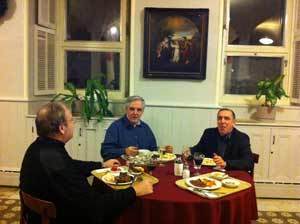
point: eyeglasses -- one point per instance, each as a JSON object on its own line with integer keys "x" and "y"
{"x": 135, "y": 109}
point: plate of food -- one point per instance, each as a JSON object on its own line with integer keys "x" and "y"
{"x": 205, "y": 183}
{"x": 166, "y": 157}
{"x": 122, "y": 178}
{"x": 117, "y": 169}
{"x": 218, "y": 175}
{"x": 231, "y": 183}
{"x": 136, "y": 170}
{"x": 208, "y": 162}
{"x": 144, "y": 151}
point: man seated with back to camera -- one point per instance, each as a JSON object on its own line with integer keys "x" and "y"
{"x": 229, "y": 148}
{"x": 128, "y": 134}
{"x": 49, "y": 173}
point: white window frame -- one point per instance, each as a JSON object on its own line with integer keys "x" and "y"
{"x": 256, "y": 51}
{"x": 92, "y": 46}
{"x": 296, "y": 39}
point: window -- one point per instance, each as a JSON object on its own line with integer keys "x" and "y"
{"x": 257, "y": 46}
{"x": 243, "y": 73}
{"x": 93, "y": 44}
{"x": 295, "y": 94}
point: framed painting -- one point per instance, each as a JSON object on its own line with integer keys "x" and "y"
{"x": 175, "y": 43}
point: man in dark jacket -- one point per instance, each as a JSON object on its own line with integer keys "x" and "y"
{"x": 49, "y": 173}
{"x": 229, "y": 148}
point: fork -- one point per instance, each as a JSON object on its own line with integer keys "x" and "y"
{"x": 206, "y": 192}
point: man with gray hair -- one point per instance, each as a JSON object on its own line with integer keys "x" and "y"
{"x": 128, "y": 134}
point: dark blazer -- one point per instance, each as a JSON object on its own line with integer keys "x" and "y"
{"x": 238, "y": 155}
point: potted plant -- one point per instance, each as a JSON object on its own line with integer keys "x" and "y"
{"x": 272, "y": 90}
{"x": 94, "y": 103}
{"x": 71, "y": 99}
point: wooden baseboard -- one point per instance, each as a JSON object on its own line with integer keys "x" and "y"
{"x": 9, "y": 179}
{"x": 270, "y": 190}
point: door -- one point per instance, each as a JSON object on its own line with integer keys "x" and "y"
{"x": 76, "y": 147}
{"x": 284, "y": 155}
{"x": 260, "y": 144}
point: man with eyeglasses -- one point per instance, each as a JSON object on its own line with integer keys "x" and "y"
{"x": 49, "y": 173}
{"x": 128, "y": 134}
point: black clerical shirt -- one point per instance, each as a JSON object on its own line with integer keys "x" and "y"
{"x": 49, "y": 173}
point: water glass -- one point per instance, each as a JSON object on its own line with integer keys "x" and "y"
{"x": 198, "y": 159}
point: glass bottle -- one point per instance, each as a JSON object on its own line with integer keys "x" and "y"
{"x": 186, "y": 171}
{"x": 178, "y": 167}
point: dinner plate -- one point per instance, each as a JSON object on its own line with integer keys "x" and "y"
{"x": 167, "y": 157}
{"x": 231, "y": 183}
{"x": 144, "y": 151}
{"x": 136, "y": 173}
{"x": 218, "y": 175}
{"x": 217, "y": 184}
{"x": 119, "y": 169}
{"x": 208, "y": 162}
{"x": 109, "y": 179}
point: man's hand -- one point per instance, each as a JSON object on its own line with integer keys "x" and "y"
{"x": 131, "y": 151}
{"x": 219, "y": 161}
{"x": 143, "y": 188}
{"x": 111, "y": 162}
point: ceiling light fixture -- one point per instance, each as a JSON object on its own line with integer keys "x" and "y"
{"x": 266, "y": 41}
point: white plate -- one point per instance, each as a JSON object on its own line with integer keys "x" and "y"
{"x": 232, "y": 183}
{"x": 167, "y": 157}
{"x": 144, "y": 151}
{"x": 208, "y": 162}
{"x": 108, "y": 178}
{"x": 217, "y": 184}
{"x": 104, "y": 170}
{"x": 218, "y": 175}
{"x": 120, "y": 169}
{"x": 136, "y": 173}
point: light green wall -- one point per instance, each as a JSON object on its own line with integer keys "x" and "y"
{"x": 12, "y": 77}
{"x": 175, "y": 92}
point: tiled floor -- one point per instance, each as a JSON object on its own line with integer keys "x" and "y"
{"x": 263, "y": 204}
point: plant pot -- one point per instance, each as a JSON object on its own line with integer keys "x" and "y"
{"x": 265, "y": 113}
{"x": 77, "y": 107}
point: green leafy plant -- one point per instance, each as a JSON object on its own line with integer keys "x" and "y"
{"x": 272, "y": 90}
{"x": 67, "y": 98}
{"x": 95, "y": 100}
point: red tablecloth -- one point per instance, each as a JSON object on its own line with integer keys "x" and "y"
{"x": 170, "y": 204}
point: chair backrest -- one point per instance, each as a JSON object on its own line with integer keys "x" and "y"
{"x": 45, "y": 209}
{"x": 255, "y": 158}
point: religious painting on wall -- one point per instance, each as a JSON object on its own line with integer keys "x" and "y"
{"x": 175, "y": 43}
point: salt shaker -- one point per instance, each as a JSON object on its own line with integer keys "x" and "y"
{"x": 178, "y": 167}
{"x": 186, "y": 171}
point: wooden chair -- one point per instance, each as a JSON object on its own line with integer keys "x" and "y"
{"x": 255, "y": 158}
{"x": 45, "y": 209}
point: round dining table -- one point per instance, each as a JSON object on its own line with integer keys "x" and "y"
{"x": 171, "y": 204}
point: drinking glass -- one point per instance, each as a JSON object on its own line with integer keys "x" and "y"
{"x": 198, "y": 159}
{"x": 151, "y": 166}
{"x": 186, "y": 154}
{"x": 162, "y": 151}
